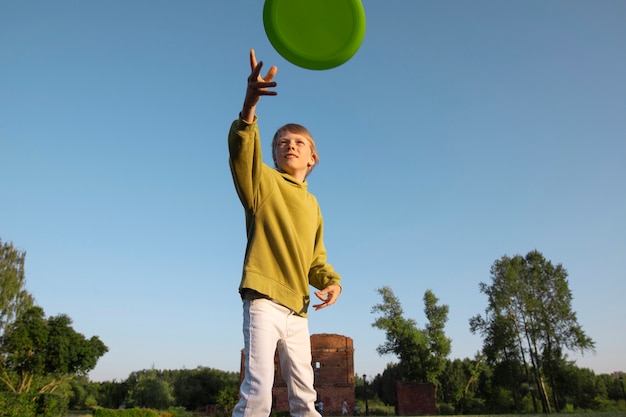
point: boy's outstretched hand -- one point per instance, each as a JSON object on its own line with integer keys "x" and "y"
{"x": 257, "y": 87}
{"x": 328, "y": 295}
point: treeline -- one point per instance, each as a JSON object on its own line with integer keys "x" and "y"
{"x": 468, "y": 386}
{"x": 194, "y": 389}
{"x": 471, "y": 386}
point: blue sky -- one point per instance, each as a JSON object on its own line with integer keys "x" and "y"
{"x": 459, "y": 132}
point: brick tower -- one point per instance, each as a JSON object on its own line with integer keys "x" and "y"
{"x": 333, "y": 367}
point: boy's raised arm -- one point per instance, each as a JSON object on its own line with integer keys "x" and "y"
{"x": 257, "y": 87}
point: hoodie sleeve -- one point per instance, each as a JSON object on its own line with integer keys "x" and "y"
{"x": 244, "y": 146}
{"x": 322, "y": 274}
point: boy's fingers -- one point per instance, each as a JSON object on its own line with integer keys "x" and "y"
{"x": 255, "y": 68}
{"x": 261, "y": 88}
{"x": 271, "y": 73}
{"x": 252, "y": 60}
{"x": 254, "y": 75}
{"x": 263, "y": 84}
{"x": 327, "y": 297}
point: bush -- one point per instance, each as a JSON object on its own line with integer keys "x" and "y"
{"x": 130, "y": 412}
{"x": 31, "y": 405}
{"x": 16, "y": 405}
{"x": 445, "y": 409}
{"x": 51, "y": 405}
{"x": 179, "y": 412}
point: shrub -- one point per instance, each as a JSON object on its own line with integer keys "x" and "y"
{"x": 179, "y": 412}
{"x": 51, "y": 405}
{"x": 31, "y": 405}
{"x": 445, "y": 409}
{"x": 16, "y": 404}
{"x": 129, "y": 412}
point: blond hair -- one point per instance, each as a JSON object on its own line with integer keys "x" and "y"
{"x": 298, "y": 130}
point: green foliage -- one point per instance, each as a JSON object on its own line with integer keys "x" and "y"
{"x": 32, "y": 405}
{"x": 179, "y": 412}
{"x": 379, "y": 409}
{"x": 402, "y": 336}
{"x": 51, "y": 405}
{"x": 434, "y": 358}
{"x": 12, "y": 404}
{"x": 196, "y": 388}
{"x": 70, "y": 352}
{"x": 39, "y": 354}
{"x": 130, "y": 412}
{"x": 529, "y": 320}
{"x": 227, "y": 399}
{"x": 422, "y": 352}
{"x": 191, "y": 389}
{"x": 23, "y": 347}
{"x": 140, "y": 412}
{"x": 82, "y": 394}
{"x": 152, "y": 390}
{"x": 14, "y": 299}
{"x": 384, "y": 386}
{"x": 110, "y": 394}
{"x": 445, "y": 409}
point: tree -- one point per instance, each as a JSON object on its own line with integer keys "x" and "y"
{"x": 14, "y": 299}
{"x": 196, "y": 388}
{"x": 82, "y": 393}
{"x": 529, "y": 319}
{"x": 422, "y": 352}
{"x": 439, "y": 345}
{"x": 24, "y": 355}
{"x": 152, "y": 391}
{"x": 227, "y": 399}
{"x": 459, "y": 381}
{"x": 111, "y": 394}
{"x": 39, "y": 355}
{"x": 385, "y": 384}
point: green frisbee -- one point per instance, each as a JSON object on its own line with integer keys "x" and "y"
{"x": 315, "y": 34}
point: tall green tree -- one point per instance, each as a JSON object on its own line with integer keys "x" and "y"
{"x": 529, "y": 319}
{"x": 439, "y": 345}
{"x": 459, "y": 383}
{"x": 39, "y": 354}
{"x": 422, "y": 352}
{"x": 14, "y": 299}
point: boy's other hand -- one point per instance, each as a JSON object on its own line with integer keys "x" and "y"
{"x": 328, "y": 295}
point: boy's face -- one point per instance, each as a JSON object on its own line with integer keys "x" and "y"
{"x": 293, "y": 155}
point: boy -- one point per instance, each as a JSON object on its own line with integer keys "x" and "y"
{"x": 284, "y": 255}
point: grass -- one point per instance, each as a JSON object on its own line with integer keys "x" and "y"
{"x": 577, "y": 414}
{"x": 381, "y": 411}
{"x": 73, "y": 413}
{"x": 563, "y": 414}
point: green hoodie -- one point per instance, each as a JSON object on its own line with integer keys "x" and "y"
{"x": 285, "y": 251}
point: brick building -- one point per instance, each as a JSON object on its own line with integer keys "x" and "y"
{"x": 414, "y": 398}
{"x": 333, "y": 367}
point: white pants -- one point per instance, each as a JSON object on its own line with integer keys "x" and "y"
{"x": 266, "y": 327}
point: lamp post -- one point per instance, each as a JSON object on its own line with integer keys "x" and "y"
{"x": 367, "y": 407}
